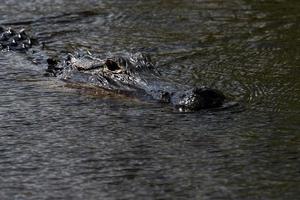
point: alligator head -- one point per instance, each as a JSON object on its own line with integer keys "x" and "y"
{"x": 134, "y": 74}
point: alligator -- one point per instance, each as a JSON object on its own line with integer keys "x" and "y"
{"x": 123, "y": 73}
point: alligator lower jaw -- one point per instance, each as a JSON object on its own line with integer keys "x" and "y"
{"x": 198, "y": 98}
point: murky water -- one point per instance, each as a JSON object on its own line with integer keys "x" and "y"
{"x": 59, "y": 142}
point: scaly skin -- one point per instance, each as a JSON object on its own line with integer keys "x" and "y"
{"x": 14, "y": 40}
{"x": 123, "y": 73}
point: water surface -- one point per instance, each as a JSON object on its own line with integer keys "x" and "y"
{"x": 59, "y": 142}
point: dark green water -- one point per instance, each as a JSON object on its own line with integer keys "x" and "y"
{"x": 58, "y": 142}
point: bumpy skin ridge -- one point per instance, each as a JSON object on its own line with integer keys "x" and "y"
{"x": 14, "y": 40}
{"x": 122, "y": 73}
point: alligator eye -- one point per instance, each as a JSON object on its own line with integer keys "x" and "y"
{"x": 112, "y": 65}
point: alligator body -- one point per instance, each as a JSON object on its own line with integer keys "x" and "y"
{"x": 132, "y": 74}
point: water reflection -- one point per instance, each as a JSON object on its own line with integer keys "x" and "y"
{"x": 60, "y": 142}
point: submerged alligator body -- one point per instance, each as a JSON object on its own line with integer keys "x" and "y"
{"x": 132, "y": 74}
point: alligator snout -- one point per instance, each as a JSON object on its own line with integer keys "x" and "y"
{"x": 198, "y": 98}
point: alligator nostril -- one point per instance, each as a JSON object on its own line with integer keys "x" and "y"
{"x": 112, "y": 65}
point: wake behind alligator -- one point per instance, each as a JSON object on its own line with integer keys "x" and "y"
{"x": 132, "y": 74}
